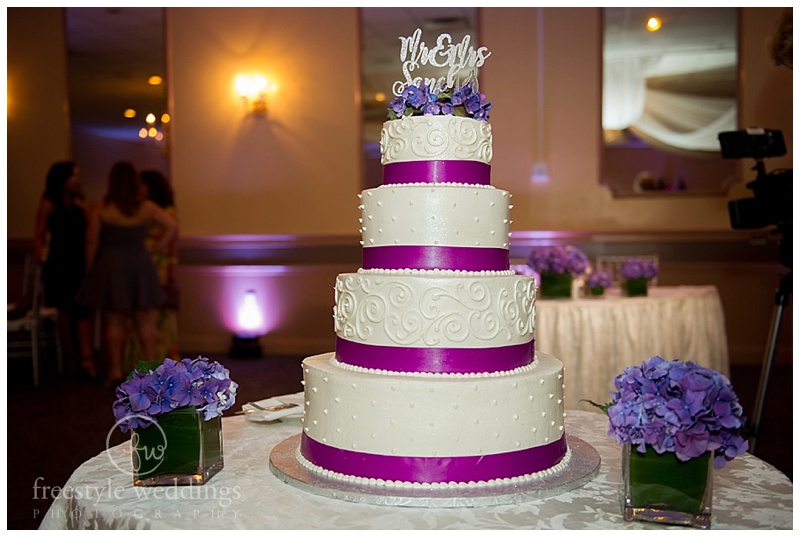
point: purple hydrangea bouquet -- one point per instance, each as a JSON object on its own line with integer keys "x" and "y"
{"x": 673, "y": 419}
{"x": 152, "y": 392}
{"x": 678, "y": 407}
{"x": 637, "y": 273}
{"x": 557, "y": 266}
{"x": 173, "y": 410}
{"x": 462, "y": 101}
{"x": 598, "y": 282}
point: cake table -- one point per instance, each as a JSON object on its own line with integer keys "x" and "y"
{"x": 748, "y": 494}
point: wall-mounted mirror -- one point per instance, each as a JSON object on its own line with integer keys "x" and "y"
{"x": 381, "y": 29}
{"x": 670, "y": 85}
{"x": 113, "y": 53}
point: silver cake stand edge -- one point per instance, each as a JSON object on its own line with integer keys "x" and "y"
{"x": 582, "y": 467}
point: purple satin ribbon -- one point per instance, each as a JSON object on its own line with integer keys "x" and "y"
{"x": 434, "y": 469}
{"x": 434, "y": 257}
{"x": 437, "y": 171}
{"x": 434, "y": 360}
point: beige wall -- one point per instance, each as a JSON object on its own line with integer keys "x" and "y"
{"x": 38, "y": 116}
{"x": 295, "y": 171}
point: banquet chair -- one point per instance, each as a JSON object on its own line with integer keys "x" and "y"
{"x": 36, "y": 328}
{"x": 613, "y": 264}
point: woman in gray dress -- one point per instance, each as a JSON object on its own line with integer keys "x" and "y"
{"x": 121, "y": 280}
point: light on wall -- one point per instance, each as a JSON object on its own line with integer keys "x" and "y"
{"x": 653, "y": 24}
{"x": 152, "y": 129}
{"x": 254, "y": 89}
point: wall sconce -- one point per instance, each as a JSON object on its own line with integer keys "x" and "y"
{"x": 245, "y": 342}
{"x": 253, "y": 90}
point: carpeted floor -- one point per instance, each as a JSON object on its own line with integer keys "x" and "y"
{"x": 53, "y": 429}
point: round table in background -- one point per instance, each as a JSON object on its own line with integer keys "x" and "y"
{"x": 596, "y": 338}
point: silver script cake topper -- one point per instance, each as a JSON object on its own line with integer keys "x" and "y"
{"x": 414, "y": 53}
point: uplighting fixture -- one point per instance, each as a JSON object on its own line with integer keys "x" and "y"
{"x": 245, "y": 342}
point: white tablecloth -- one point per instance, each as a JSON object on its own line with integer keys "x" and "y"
{"x": 748, "y": 493}
{"x": 597, "y": 338}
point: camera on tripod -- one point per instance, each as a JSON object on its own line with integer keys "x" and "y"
{"x": 772, "y": 201}
{"x": 771, "y": 206}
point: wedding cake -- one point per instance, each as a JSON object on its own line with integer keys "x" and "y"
{"x": 434, "y": 381}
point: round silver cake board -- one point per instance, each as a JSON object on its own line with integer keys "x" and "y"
{"x": 581, "y": 468}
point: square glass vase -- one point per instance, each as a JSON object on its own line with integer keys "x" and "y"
{"x": 635, "y": 287}
{"x": 595, "y": 291}
{"x": 663, "y": 489}
{"x": 555, "y": 285}
{"x": 180, "y": 448}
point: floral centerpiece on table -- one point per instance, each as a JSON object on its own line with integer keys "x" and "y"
{"x": 557, "y": 266}
{"x": 636, "y": 273}
{"x": 156, "y": 388}
{"x": 638, "y": 268}
{"x": 672, "y": 417}
{"x": 678, "y": 407}
{"x": 598, "y": 282}
{"x": 462, "y": 101}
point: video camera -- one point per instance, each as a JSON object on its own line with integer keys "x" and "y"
{"x": 772, "y": 204}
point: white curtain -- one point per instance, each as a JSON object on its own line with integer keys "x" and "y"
{"x": 623, "y": 91}
{"x": 686, "y": 121}
{"x": 677, "y": 119}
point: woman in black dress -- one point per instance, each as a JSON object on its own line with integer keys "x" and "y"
{"x": 121, "y": 280}
{"x": 59, "y": 246}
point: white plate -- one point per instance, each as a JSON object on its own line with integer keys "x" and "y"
{"x": 253, "y": 414}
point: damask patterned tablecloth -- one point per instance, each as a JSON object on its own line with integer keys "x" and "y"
{"x": 597, "y": 338}
{"x": 748, "y": 494}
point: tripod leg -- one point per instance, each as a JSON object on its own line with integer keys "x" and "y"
{"x": 781, "y": 301}
{"x": 766, "y": 367}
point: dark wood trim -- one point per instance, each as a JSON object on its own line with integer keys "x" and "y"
{"x": 671, "y": 246}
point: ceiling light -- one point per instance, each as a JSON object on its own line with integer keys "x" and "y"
{"x": 653, "y": 24}
{"x": 155, "y": 80}
{"x": 150, "y": 119}
{"x": 129, "y": 113}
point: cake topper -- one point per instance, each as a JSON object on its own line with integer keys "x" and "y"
{"x": 445, "y": 95}
{"x": 456, "y": 57}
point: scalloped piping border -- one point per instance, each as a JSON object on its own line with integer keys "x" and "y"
{"x": 443, "y": 272}
{"x": 371, "y": 481}
{"x": 496, "y": 374}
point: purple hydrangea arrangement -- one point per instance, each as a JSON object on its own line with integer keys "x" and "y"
{"x": 634, "y": 268}
{"x": 462, "y": 101}
{"x": 601, "y": 278}
{"x": 558, "y": 260}
{"x": 152, "y": 391}
{"x": 678, "y": 407}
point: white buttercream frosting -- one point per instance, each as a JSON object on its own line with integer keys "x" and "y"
{"x": 435, "y": 310}
{"x": 421, "y": 416}
{"x": 420, "y": 138}
{"x": 435, "y": 215}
